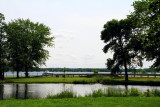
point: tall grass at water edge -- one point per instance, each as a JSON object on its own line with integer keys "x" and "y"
{"x": 109, "y": 92}
{"x": 63, "y": 94}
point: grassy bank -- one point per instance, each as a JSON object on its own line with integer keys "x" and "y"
{"x": 85, "y": 102}
{"x": 83, "y": 80}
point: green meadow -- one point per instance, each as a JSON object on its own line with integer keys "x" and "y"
{"x": 87, "y": 80}
{"x": 85, "y": 102}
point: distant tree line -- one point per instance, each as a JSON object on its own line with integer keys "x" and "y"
{"x": 148, "y": 70}
{"x": 74, "y": 69}
{"x": 135, "y": 38}
{"x": 22, "y": 45}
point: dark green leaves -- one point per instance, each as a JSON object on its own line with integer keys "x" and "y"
{"x": 27, "y": 41}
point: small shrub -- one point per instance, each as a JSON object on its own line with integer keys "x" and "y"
{"x": 156, "y": 92}
{"x": 98, "y": 93}
{"x": 148, "y": 93}
{"x": 63, "y": 94}
{"x": 95, "y": 71}
{"x": 134, "y": 92}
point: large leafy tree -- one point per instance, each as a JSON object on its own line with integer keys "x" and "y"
{"x": 3, "y": 47}
{"x": 146, "y": 19}
{"x": 118, "y": 38}
{"x": 27, "y": 42}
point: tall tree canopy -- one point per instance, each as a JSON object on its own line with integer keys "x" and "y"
{"x": 3, "y": 47}
{"x": 27, "y": 41}
{"x": 117, "y": 36}
{"x": 146, "y": 19}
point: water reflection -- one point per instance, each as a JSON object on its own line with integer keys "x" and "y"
{"x": 25, "y": 91}
{"x": 1, "y": 91}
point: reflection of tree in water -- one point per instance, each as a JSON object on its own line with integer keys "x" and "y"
{"x": 26, "y": 91}
{"x": 1, "y": 92}
{"x": 21, "y": 93}
{"x": 17, "y": 91}
{"x": 126, "y": 88}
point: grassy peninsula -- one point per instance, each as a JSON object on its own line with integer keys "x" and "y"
{"x": 86, "y": 80}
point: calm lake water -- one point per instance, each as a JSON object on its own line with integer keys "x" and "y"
{"x": 40, "y": 73}
{"x": 25, "y": 91}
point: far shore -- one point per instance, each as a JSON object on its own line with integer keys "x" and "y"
{"x": 112, "y": 80}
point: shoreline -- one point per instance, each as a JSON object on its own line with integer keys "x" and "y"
{"x": 146, "y": 83}
{"x": 83, "y": 80}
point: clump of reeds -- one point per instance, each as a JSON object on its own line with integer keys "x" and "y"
{"x": 109, "y": 92}
{"x": 134, "y": 92}
{"x": 63, "y": 94}
{"x": 152, "y": 93}
{"x": 156, "y": 92}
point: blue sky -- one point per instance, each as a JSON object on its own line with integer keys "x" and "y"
{"x": 75, "y": 24}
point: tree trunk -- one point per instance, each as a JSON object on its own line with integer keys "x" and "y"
{"x": 26, "y": 74}
{"x": 17, "y": 73}
{"x": 1, "y": 76}
{"x": 126, "y": 74}
{"x": 17, "y": 91}
{"x": 0, "y": 73}
{"x": 26, "y": 91}
{"x": 17, "y": 68}
{"x": 1, "y": 92}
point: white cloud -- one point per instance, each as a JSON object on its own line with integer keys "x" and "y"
{"x": 64, "y": 35}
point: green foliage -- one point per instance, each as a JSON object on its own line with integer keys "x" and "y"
{"x": 146, "y": 21}
{"x": 95, "y": 71}
{"x": 148, "y": 93}
{"x": 74, "y": 69}
{"x": 3, "y": 47}
{"x": 134, "y": 92}
{"x": 26, "y": 41}
{"x": 156, "y": 92}
{"x": 118, "y": 38}
{"x": 96, "y": 93}
{"x": 143, "y": 71}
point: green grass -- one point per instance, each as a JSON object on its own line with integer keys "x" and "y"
{"x": 85, "y": 102}
{"x": 48, "y": 80}
{"x": 96, "y": 79}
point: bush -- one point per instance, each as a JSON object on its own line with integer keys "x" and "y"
{"x": 148, "y": 93}
{"x": 134, "y": 92}
{"x": 98, "y": 93}
{"x": 156, "y": 92}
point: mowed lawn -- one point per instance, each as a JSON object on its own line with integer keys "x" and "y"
{"x": 85, "y": 102}
{"x": 76, "y": 79}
